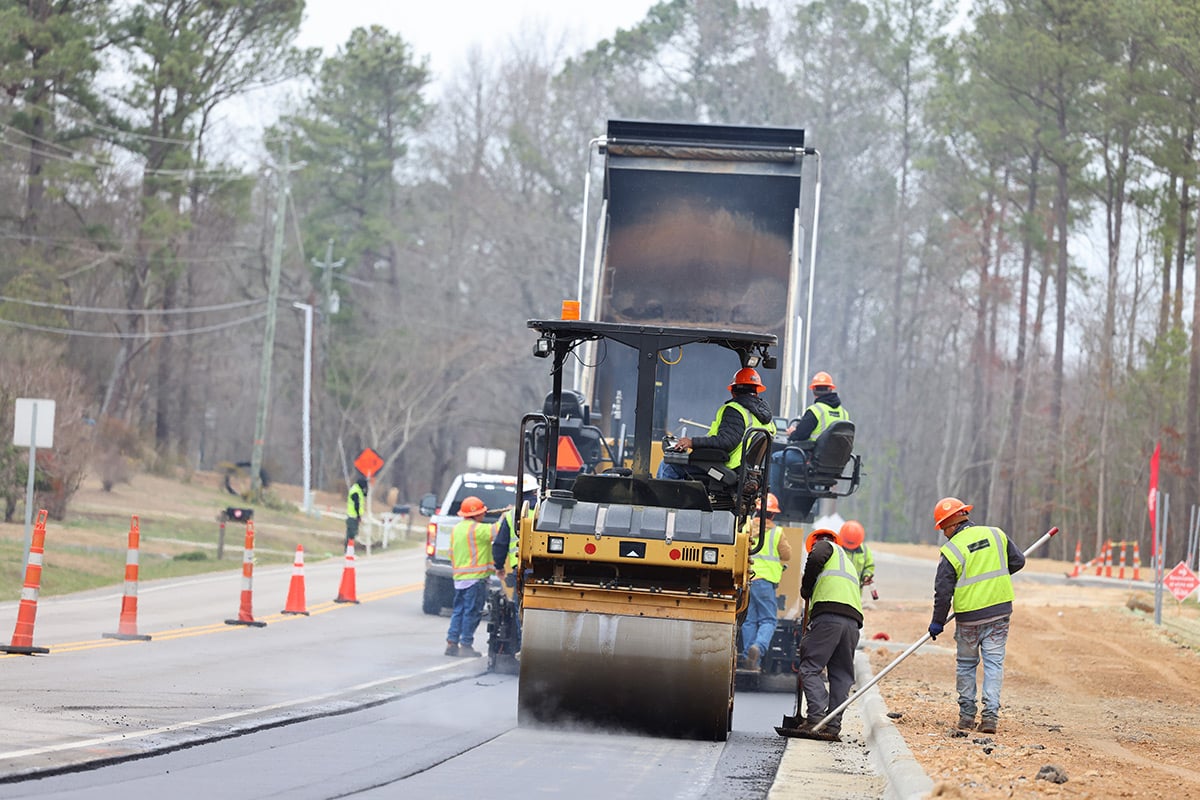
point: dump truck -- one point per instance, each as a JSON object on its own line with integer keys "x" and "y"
{"x": 701, "y": 225}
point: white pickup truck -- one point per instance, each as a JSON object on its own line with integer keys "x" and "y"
{"x": 497, "y": 492}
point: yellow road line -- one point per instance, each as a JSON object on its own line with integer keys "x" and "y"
{"x": 221, "y": 627}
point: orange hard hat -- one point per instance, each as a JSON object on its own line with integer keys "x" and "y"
{"x": 946, "y": 508}
{"x": 822, "y": 379}
{"x": 851, "y": 534}
{"x": 772, "y": 503}
{"x": 812, "y": 538}
{"x": 471, "y": 506}
{"x": 747, "y": 377}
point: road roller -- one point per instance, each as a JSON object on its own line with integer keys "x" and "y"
{"x": 631, "y": 587}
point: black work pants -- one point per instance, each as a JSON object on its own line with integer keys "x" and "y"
{"x": 828, "y": 644}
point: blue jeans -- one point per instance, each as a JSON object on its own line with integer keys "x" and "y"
{"x": 759, "y": 626}
{"x": 468, "y": 610}
{"x": 781, "y": 459}
{"x": 678, "y": 472}
{"x": 973, "y": 641}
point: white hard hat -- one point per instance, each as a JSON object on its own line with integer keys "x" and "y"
{"x": 529, "y": 484}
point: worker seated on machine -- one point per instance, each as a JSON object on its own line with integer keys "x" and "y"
{"x": 744, "y": 409}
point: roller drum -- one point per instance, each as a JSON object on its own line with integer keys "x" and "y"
{"x": 663, "y": 677}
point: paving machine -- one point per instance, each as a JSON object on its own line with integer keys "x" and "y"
{"x": 631, "y": 587}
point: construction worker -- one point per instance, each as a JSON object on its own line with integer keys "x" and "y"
{"x": 974, "y": 576}
{"x": 853, "y": 539}
{"x": 825, "y": 409}
{"x": 744, "y": 409}
{"x": 767, "y": 568}
{"x": 830, "y": 585}
{"x": 356, "y": 507}
{"x": 471, "y": 558}
{"x": 506, "y": 544}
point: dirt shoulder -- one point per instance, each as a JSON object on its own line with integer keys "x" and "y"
{"x": 1090, "y": 687}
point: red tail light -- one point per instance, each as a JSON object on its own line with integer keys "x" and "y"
{"x": 430, "y": 539}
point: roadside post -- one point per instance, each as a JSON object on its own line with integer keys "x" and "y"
{"x": 33, "y": 427}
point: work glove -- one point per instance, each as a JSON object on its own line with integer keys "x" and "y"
{"x": 934, "y": 629}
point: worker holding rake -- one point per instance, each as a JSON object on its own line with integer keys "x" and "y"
{"x": 974, "y": 576}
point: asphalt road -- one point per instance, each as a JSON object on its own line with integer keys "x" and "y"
{"x": 354, "y": 700}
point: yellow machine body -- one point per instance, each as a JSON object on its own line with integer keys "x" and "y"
{"x": 629, "y": 617}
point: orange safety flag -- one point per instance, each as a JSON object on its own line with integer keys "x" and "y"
{"x": 569, "y": 457}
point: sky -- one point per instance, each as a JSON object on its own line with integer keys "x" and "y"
{"x": 443, "y": 30}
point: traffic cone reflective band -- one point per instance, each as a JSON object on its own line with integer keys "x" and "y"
{"x": 1137, "y": 563}
{"x": 295, "y": 599}
{"x": 245, "y": 616}
{"x": 22, "y": 640}
{"x": 346, "y": 592}
{"x": 1078, "y": 566}
{"x": 127, "y": 627}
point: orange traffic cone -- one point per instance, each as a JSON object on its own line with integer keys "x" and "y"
{"x": 127, "y": 627}
{"x": 22, "y": 640}
{"x": 1078, "y": 566}
{"x": 245, "y": 617}
{"x": 347, "y": 592}
{"x": 295, "y": 599}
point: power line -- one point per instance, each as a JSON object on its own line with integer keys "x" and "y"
{"x": 128, "y": 311}
{"x": 146, "y": 335}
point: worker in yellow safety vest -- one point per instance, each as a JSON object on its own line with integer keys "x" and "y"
{"x": 974, "y": 576}
{"x": 742, "y": 411}
{"x": 830, "y": 585}
{"x": 825, "y": 409}
{"x": 853, "y": 536}
{"x": 356, "y": 507}
{"x": 506, "y": 545}
{"x": 471, "y": 558}
{"x": 767, "y": 567}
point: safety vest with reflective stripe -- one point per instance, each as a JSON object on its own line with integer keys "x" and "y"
{"x": 979, "y": 555}
{"x": 355, "y": 489}
{"x": 863, "y": 561}
{"x": 471, "y": 550}
{"x": 826, "y": 415}
{"x": 514, "y": 543}
{"x": 735, "y": 455}
{"x": 838, "y": 582}
{"x": 765, "y": 563}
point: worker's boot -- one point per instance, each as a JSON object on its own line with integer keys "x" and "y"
{"x": 988, "y": 725}
{"x": 966, "y": 723}
{"x": 451, "y": 648}
{"x": 466, "y": 651}
{"x": 752, "y": 656}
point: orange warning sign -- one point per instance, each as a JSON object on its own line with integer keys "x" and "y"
{"x": 368, "y": 462}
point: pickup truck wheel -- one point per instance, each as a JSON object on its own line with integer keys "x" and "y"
{"x": 431, "y": 602}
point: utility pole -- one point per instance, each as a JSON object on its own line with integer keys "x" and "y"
{"x": 264, "y": 374}
{"x": 328, "y": 307}
{"x": 327, "y": 267}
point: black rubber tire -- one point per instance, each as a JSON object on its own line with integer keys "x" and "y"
{"x": 431, "y": 601}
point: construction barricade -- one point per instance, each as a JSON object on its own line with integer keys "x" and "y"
{"x": 22, "y": 640}
{"x": 127, "y": 626}
{"x": 245, "y": 614}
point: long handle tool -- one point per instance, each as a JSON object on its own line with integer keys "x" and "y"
{"x": 912, "y": 648}
{"x": 792, "y": 722}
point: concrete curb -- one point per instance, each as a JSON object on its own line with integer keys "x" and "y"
{"x": 906, "y": 780}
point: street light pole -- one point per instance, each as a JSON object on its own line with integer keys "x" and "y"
{"x": 306, "y": 416}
